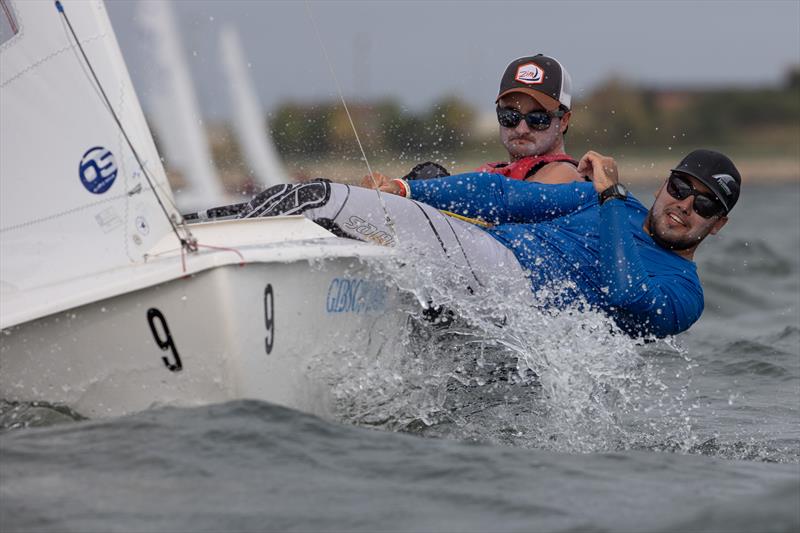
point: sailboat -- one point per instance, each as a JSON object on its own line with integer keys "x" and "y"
{"x": 177, "y": 118}
{"x": 258, "y": 147}
{"x": 108, "y": 302}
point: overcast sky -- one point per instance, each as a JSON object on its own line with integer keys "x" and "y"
{"x": 419, "y": 51}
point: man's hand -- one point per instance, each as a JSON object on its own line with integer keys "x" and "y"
{"x": 383, "y": 184}
{"x": 602, "y": 170}
{"x": 377, "y": 183}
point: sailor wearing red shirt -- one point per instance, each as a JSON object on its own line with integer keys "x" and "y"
{"x": 533, "y": 110}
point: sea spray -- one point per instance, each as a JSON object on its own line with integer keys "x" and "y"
{"x": 481, "y": 358}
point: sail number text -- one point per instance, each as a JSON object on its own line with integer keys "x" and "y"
{"x": 269, "y": 318}
{"x": 163, "y": 339}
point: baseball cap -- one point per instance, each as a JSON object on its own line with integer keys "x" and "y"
{"x": 716, "y": 171}
{"x": 542, "y": 77}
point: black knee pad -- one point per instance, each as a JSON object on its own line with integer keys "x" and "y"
{"x": 288, "y": 199}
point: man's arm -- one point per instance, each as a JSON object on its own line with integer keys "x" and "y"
{"x": 496, "y": 199}
{"x": 556, "y": 172}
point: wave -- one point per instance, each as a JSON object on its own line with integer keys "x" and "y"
{"x": 752, "y": 357}
{"x": 250, "y": 466}
{"x": 17, "y": 415}
{"x": 740, "y": 257}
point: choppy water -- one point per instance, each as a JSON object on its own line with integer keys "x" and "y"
{"x": 558, "y": 427}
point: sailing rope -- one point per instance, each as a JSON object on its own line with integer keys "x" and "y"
{"x": 387, "y": 219}
{"x": 188, "y": 242}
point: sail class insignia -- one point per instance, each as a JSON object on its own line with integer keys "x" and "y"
{"x": 97, "y": 170}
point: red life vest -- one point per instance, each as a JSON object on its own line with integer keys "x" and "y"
{"x": 525, "y": 167}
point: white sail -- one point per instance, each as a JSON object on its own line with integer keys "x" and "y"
{"x": 257, "y": 145}
{"x": 176, "y": 113}
{"x": 73, "y": 200}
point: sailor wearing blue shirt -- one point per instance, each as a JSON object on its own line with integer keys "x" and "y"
{"x": 615, "y": 255}
{"x": 633, "y": 263}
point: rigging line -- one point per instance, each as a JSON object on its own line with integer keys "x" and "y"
{"x": 188, "y": 242}
{"x": 387, "y": 218}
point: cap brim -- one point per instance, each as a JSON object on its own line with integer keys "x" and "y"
{"x": 712, "y": 185}
{"x": 547, "y": 102}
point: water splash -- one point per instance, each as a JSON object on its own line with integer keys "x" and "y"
{"x": 18, "y": 415}
{"x": 490, "y": 364}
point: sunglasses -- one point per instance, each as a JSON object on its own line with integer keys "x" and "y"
{"x": 704, "y": 204}
{"x": 536, "y": 120}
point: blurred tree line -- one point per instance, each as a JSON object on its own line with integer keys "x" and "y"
{"x": 384, "y": 127}
{"x": 616, "y": 115}
{"x": 619, "y": 115}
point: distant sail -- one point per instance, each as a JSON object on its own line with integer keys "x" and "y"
{"x": 176, "y": 115}
{"x": 256, "y": 143}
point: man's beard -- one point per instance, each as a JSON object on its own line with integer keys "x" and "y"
{"x": 532, "y": 148}
{"x": 536, "y": 145}
{"x": 676, "y": 245}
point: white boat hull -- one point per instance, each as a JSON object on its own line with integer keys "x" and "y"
{"x": 225, "y": 333}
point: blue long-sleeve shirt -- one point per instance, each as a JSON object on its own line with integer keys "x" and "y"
{"x": 560, "y": 233}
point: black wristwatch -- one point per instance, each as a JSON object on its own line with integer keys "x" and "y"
{"x": 615, "y": 191}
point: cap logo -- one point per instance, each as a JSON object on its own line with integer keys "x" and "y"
{"x": 724, "y": 181}
{"x": 530, "y": 74}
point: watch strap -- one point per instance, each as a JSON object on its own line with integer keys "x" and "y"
{"x": 615, "y": 191}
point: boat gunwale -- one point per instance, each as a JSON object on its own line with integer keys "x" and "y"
{"x": 166, "y": 262}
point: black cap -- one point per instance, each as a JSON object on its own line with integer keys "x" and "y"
{"x": 541, "y": 77}
{"x": 717, "y": 172}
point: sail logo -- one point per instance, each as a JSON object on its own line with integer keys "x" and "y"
{"x": 97, "y": 170}
{"x": 530, "y": 74}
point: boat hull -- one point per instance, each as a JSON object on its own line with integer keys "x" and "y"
{"x": 253, "y": 331}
